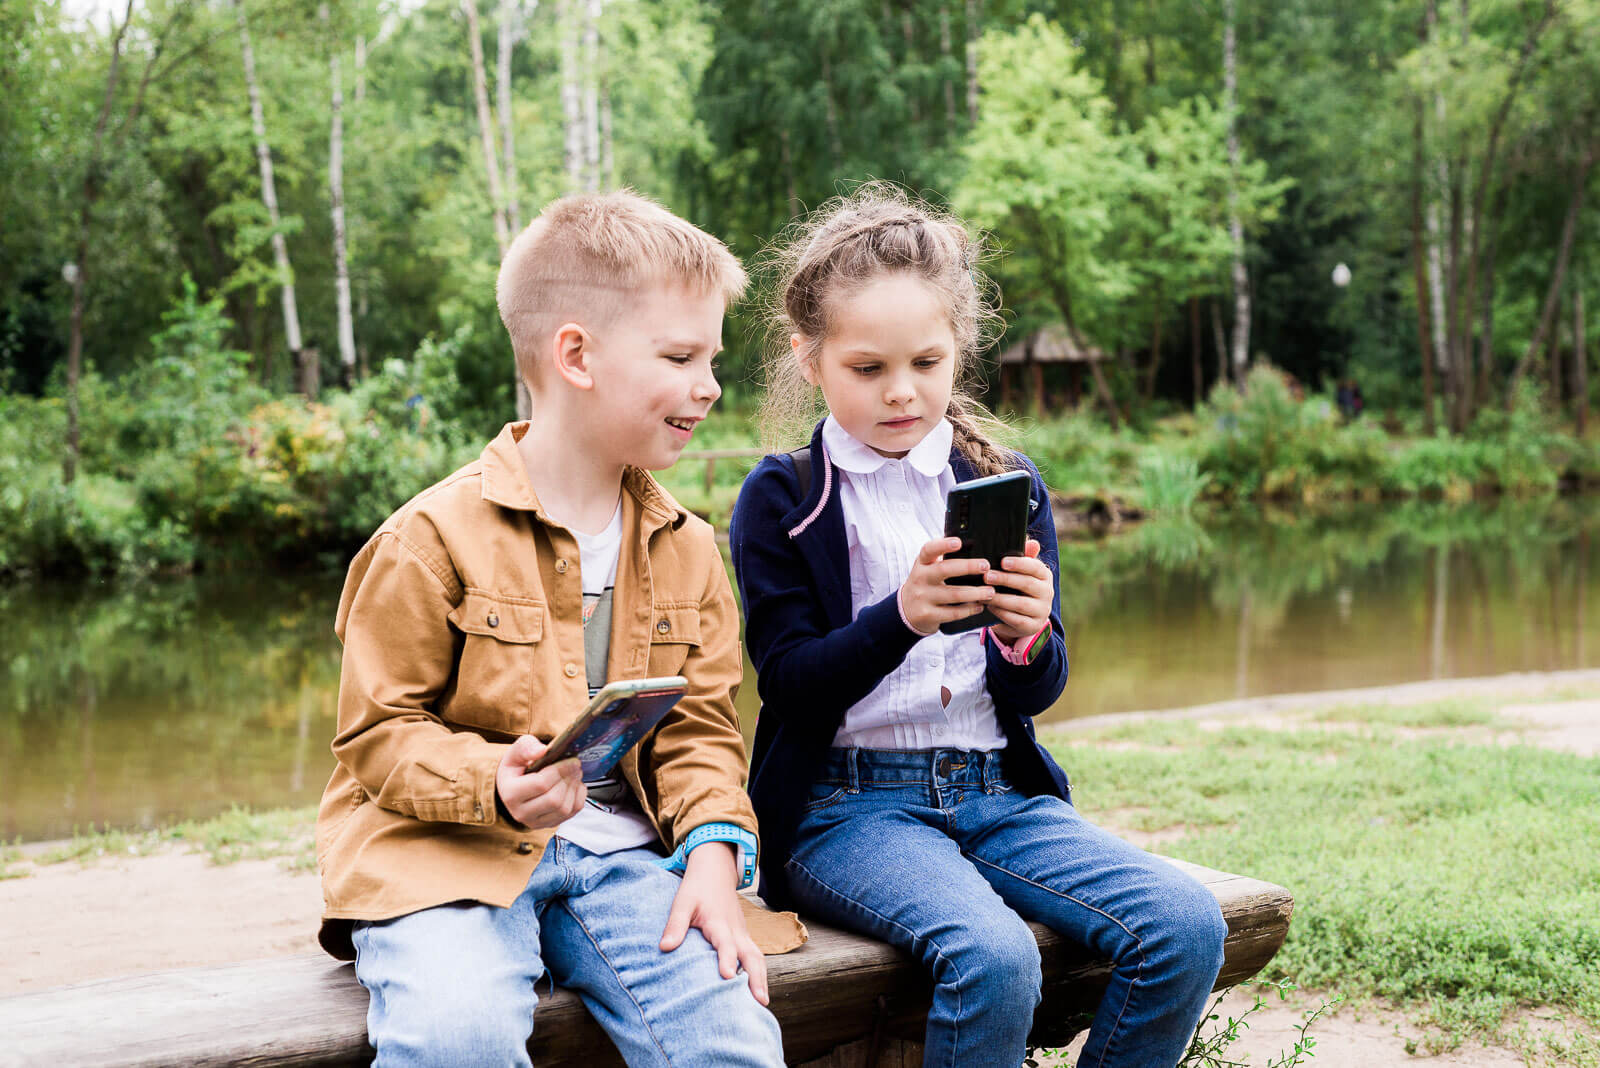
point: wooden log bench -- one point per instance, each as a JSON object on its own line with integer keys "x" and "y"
{"x": 841, "y": 999}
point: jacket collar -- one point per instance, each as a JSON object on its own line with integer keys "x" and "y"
{"x": 505, "y": 482}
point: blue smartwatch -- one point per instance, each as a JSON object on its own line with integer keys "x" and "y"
{"x": 743, "y": 841}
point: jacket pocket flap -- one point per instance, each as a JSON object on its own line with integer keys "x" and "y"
{"x": 505, "y": 619}
{"x": 676, "y": 623}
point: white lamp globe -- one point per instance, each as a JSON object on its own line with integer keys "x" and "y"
{"x": 1341, "y": 275}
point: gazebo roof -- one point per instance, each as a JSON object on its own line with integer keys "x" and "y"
{"x": 1051, "y": 344}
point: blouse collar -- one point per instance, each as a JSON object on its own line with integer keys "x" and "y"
{"x": 930, "y": 456}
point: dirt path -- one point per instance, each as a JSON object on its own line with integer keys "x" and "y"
{"x": 122, "y": 915}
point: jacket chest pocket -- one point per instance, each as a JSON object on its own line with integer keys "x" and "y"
{"x": 674, "y": 632}
{"x": 500, "y": 655}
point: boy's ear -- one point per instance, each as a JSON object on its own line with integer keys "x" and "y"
{"x": 808, "y": 366}
{"x": 571, "y": 350}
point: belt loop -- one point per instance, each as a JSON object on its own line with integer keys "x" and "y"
{"x": 852, "y": 758}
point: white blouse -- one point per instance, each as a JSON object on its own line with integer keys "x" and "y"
{"x": 892, "y": 508}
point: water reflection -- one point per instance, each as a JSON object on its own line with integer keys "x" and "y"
{"x": 136, "y": 705}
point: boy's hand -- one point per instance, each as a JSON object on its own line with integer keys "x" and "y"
{"x": 925, "y": 600}
{"x": 708, "y": 900}
{"x": 544, "y": 798}
{"x": 1026, "y": 612}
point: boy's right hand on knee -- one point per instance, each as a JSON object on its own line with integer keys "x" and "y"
{"x": 925, "y": 600}
{"x": 544, "y": 798}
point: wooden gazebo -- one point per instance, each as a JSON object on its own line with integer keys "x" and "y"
{"x": 1049, "y": 344}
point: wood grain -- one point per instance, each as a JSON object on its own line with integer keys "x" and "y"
{"x": 830, "y": 996}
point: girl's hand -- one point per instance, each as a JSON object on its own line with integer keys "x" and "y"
{"x": 544, "y": 798}
{"x": 708, "y": 900}
{"x": 925, "y": 600}
{"x": 1026, "y": 612}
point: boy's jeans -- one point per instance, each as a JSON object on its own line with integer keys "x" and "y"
{"x": 454, "y": 985}
{"x": 935, "y": 852}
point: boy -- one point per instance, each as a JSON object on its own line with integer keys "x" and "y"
{"x": 478, "y": 620}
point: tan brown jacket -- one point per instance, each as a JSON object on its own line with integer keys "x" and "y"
{"x": 462, "y": 623}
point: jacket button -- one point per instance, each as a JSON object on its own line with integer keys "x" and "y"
{"x": 561, "y": 567}
{"x": 571, "y": 670}
{"x": 477, "y": 812}
{"x": 663, "y": 627}
{"x": 524, "y": 848}
{"x": 494, "y": 619}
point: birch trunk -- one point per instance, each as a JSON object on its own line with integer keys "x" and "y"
{"x": 591, "y": 96}
{"x": 480, "y": 95}
{"x": 1436, "y": 256}
{"x": 830, "y": 113}
{"x": 1569, "y": 229}
{"x": 570, "y": 104}
{"x": 1420, "y": 271}
{"x": 510, "y": 31}
{"x": 341, "y": 266}
{"x": 949, "y": 86}
{"x": 269, "y": 194}
{"x": 1241, "y": 279}
{"x": 1220, "y": 340}
{"x": 974, "y": 17}
{"x": 909, "y": 34}
{"x": 1580, "y": 358}
{"x": 608, "y": 156}
{"x": 80, "y": 265}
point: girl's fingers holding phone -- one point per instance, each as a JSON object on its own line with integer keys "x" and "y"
{"x": 945, "y": 570}
{"x": 938, "y": 547}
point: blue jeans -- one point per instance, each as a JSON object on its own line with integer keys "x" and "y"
{"x": 933, "y": 851}
{"x": 454, "y": 985}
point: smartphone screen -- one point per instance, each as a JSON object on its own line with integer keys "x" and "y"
{"x": 990, "y": 516}
{"x": 615, "y": 720}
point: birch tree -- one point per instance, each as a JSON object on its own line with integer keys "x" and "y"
{"x": 1241, "y": 279}
{"x": 480, "y": 96}
{"x": 269, "y": 197}
{"x": 510, "y": 33}
{"x": 591, "y": 95}
{"x": 571, "y": 104}
{"x": 341, "y": 266}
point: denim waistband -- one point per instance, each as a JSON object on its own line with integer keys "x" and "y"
{"x": 854, "y": 767}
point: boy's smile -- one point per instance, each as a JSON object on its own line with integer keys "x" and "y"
{"x": 887, "y": 366}
{"x": 654, "y": 375}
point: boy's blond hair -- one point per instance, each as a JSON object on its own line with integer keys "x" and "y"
{"x": 586, "y": 254}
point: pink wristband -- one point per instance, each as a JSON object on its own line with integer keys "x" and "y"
{"x": 1020, "y": 653}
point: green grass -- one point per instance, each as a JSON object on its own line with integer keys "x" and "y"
{"x": 1455, "y": 712}
{"x": 238, "y": 834}
{"x": 1460, "y": 881}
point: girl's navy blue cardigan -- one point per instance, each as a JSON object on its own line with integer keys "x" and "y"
{"x": 813, "y": 661}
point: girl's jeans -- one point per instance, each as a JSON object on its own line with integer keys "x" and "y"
{"x": 454, "y": 985}
{"x": 933, "y": 851}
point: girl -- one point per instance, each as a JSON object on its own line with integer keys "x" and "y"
{"x": 896, "y": 777}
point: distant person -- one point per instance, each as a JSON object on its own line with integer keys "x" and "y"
{"x": 900, "y": 788}
{"x": 476, "y": 623}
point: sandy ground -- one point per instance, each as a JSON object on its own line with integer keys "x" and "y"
{"x": 125, "y": 915}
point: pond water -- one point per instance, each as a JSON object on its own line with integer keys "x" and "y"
{"x": 135, "y": 705}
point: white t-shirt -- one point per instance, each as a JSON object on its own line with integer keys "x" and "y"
{"x": 612, "y": 818}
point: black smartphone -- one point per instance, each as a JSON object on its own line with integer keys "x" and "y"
{"x": 612, "y": 723}
{"x": 990, "y": 516}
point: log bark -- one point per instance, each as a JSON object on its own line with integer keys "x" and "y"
{"x": 1241, "y": 278}
{"x": 269, "y": 196}
{"x": 480, "y": 96}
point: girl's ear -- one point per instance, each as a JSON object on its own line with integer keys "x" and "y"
{"x": 570, "y": 352}
{"x": 808, "y": 365}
